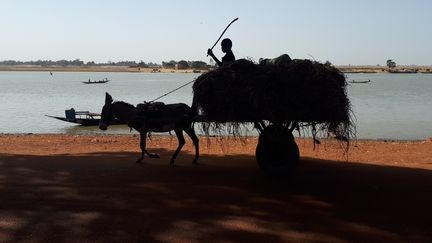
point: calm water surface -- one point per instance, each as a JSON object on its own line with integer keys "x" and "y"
{"x": 392, "y": 106}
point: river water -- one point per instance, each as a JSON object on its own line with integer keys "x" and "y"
{"x": 391, "y": 106}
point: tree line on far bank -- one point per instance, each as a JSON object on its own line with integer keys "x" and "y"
{"x": 77, "y": 62}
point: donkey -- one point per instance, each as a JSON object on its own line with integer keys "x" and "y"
{"x": 152, "y": 117}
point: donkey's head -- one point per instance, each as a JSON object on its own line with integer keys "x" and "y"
{"x": 107, "y": 114}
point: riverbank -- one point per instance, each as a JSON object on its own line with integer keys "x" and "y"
{"x": 342, "y": 68}
{"x": 63, "y": 188}
{"x": 414, "y": 154}
{"x": 53, "y": 69}
{"x": 382, "y": 69}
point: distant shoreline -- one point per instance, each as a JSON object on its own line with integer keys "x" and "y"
{"x": 384, "y": 69}
{"x": 342, "y": 68}
{"x": 34, "y": 68}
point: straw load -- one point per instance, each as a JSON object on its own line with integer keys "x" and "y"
{"x": 304, "y": 91}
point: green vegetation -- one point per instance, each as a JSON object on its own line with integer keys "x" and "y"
{"x": 78, "y": 63}
{"x": 186, "y": 64}
{"x": 391, "y": 64}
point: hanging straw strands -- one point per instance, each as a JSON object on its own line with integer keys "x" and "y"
{"x": 305, "y": 91}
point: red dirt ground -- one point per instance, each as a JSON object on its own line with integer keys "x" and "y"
{"x": 60, "y": 188}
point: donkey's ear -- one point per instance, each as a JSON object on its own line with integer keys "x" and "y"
{"x": 108, "y": 98}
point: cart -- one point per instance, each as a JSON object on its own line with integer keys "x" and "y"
{"x": 277, "y": 100}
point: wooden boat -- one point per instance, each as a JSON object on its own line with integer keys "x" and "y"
{"x": 96, "y": 82}
{"x": 360, "y": 82}
{"x": 83, "y": 118}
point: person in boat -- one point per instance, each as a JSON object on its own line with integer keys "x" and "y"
{"x": 229, "y": 57}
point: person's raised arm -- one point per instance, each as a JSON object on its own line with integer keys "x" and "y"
{"x": 210, "y": 53}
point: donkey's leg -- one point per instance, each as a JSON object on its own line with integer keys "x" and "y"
{"x": 181, "y": 142}
{"x": 143, "y": 136}
{"x": 150, "y": 155}
{"x": 191, "y": 132}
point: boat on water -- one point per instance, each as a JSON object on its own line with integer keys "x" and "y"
{"x": 360, "y": 81}
{"x": 96, "y": 81}
{"x": 83, "y": 118}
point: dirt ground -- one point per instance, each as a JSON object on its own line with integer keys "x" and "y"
{"x": 63, "y": 188}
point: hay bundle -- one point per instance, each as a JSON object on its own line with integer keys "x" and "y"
{"x": 302, "y": 90}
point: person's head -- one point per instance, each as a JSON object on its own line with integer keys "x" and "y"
{"x": 226, "y": 45}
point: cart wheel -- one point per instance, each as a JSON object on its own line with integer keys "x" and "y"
{"x": 277, "y": 153}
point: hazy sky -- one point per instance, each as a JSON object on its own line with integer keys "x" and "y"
{"x": 343, "y": 32}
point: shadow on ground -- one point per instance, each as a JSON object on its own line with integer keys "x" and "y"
{"x": 106, "y": 197}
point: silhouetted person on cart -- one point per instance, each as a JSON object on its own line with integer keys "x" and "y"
{"x": 226, "y": 48}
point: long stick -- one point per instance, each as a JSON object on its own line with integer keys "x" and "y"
{"x": 207, "y": 55}
{"x": 223, "y": 32}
